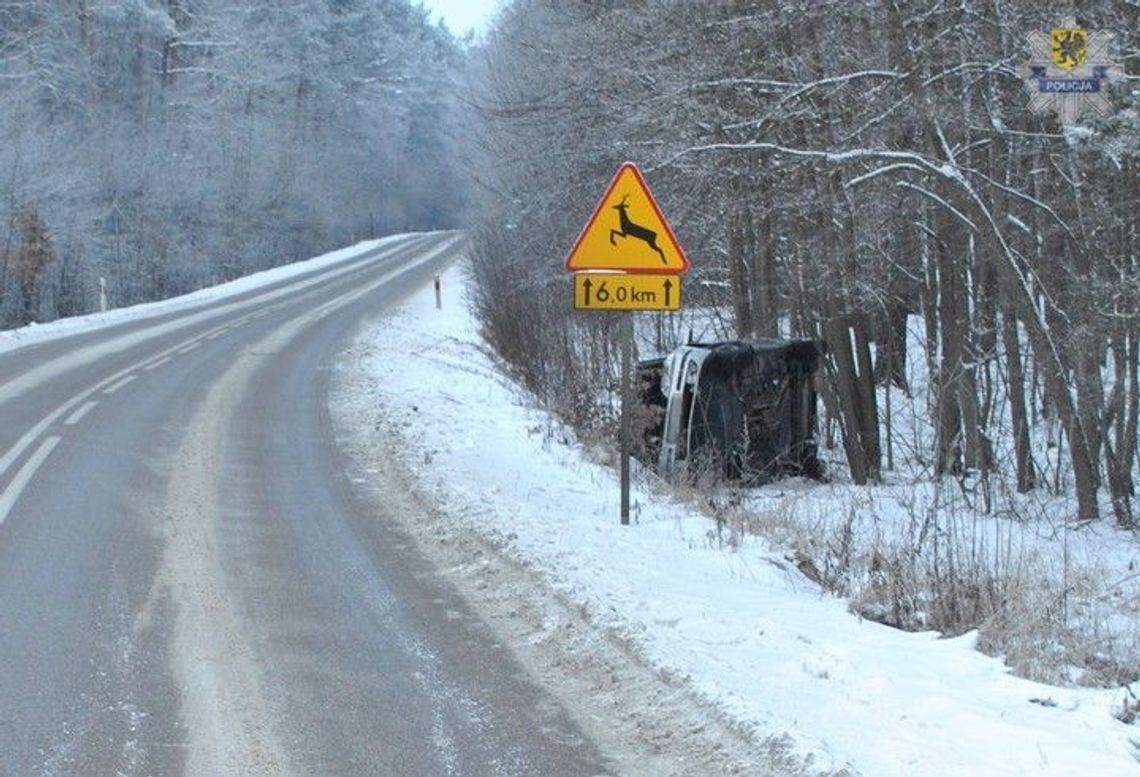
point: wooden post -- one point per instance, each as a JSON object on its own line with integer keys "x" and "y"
{"x": 438, "y": 294}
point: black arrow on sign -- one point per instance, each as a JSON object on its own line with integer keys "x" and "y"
{"x": 587, "y": 285}
{"x": 668, "y": 289}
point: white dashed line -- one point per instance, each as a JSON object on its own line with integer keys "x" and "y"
{"x": 194, "y": 345}
{"x": 155, "y": 365}
{"x": 24, "y": 476}
{"x": 119, "y": 384}
{"x": 77, "y": 416}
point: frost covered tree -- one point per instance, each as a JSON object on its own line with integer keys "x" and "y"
{"x": 173, "y": 143}
{"x": 834, "y": 168}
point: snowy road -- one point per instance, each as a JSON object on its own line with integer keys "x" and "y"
{"x": 190, "y": 583}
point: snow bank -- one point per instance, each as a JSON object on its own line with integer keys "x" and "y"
{"x": 738, "y": 620}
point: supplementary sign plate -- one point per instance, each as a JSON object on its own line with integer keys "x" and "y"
{"x": 618, "y": 291}
{"x": 627, "y": 232}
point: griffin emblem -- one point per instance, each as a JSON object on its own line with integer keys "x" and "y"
{"x": 1070, "y": 46}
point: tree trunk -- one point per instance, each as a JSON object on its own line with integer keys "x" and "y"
{"x": 854, "y": 384}
{"x": 765, "y": 311}
{"x": 738, "y": 278}
{"x": 838, "y": 337}
{"x": 1121, "y": 416}
{"x": 868, "y": 403}
{"x": 951, "y": 442}
{"x": 890, "y": 351}
{"x": 1023, "y": 455}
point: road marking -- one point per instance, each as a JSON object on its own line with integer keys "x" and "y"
{"x": 77, "y": 416}
{"x": 119, "y": 384}
{"x": 197, "y": 312}
{"x": 189, "y": 348}
{"x": 112, "y": 383}
{"x": 23, "y": 443}
{"x": 24, "y": 476}
{"x": 115, "y": 382}
{"x": 155, "y": 365}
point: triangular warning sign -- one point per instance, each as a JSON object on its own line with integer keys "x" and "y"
{"x": 627, "y": 232}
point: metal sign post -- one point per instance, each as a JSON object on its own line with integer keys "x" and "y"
{"x": 626, "y": 444}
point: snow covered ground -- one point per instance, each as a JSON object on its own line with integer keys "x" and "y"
{"x": 748, "y": 631}
{"x": 736, "y": 620}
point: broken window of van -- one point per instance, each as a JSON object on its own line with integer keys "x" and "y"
{"x": 744, "y": 410}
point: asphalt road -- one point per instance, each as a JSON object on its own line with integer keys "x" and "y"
{"x": 190, "y": 584}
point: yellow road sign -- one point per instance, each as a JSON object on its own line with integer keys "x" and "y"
{"x": 618, "y": 291}
{"x": 627, "y": 232}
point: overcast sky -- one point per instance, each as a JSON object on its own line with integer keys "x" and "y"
{"x": 463, "y": 15}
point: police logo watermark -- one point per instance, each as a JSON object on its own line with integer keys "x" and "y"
{"x": 1070, "y": 46}
{"x": 1070, "y": 76}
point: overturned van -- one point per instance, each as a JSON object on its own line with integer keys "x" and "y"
{"x": 740, "y": 409}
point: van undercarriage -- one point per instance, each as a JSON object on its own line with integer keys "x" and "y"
{"x": 742, "y": 410}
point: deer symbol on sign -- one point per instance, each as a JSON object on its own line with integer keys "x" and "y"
{"x": 634, "y": 230}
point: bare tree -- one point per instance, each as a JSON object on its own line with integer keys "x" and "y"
{"x": 835, "y": 180}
